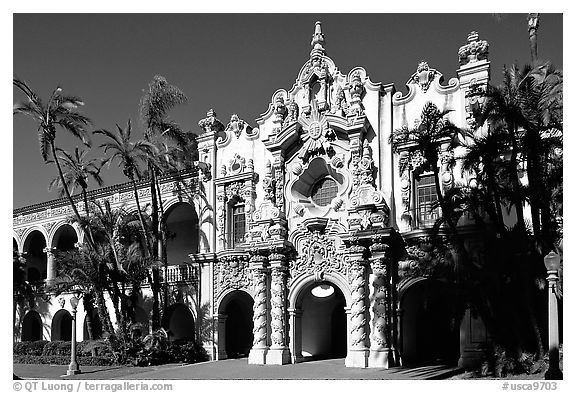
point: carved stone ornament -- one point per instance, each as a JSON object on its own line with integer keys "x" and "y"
{"x": 423, "y": 76}
{"x": 426, "y": 258}
{"x": 318, "y": 254}
{"x": 340, "y": 106}
{"x": 236, "y": 126}
{"x": 317, "y": 137}
{"x": 268, "y": 184}
{"x": 61, "y": 302}
{"x": 363, "y": 191}
{"x": 475, "y": 97}
{"x": 232, "y": 272}
{"x": 293, "y": 113}
{"x": 211, "y": 123}
{"x": 474, "y": 50}
{"x": 237, "y": 164}
{"x": 357, "y": 90}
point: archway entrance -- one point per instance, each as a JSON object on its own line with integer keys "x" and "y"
{"x": 179, "y": 322}
{"x": 321, "y": 326}
{"x": 237, "y": 312}
{"x": 32, "y": 327}
{"x": 430, "y": 332}
{"x": 61, "y": 326}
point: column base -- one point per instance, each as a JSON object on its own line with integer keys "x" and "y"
{"x": 383, "y": 358}
{"x": 357, "y": 358}
{"x": 73, "y": 372}
{"x": 257, "y": 356}
{"x": 278, "y": 356}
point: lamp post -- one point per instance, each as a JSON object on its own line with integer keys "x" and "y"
{"x": 552, "y": 262}
{"x": 73, "y": 368}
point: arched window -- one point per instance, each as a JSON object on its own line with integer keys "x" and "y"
{"x": 323, "y": 191}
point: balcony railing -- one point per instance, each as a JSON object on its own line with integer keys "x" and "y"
{"x": 179, "y": 273}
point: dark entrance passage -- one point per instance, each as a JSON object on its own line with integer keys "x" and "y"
{"x": 238, "y": 329}
{"x": 61, "y": 326}
{"x": 179, "y": 323}
{"x": 323, "y": 322}
{"x": 32, "y": 327}
{"x": 430, "y": 332}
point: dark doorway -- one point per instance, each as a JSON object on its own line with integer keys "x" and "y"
{"x": 31, "y": 327}
{"x": 179, "y": 323}
{"x": 430, "y": 332}
{"x": 239, "y": 324}
{"x": 62, "y": 326}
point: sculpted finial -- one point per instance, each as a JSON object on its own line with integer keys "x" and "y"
{"x": 317, "y": 41}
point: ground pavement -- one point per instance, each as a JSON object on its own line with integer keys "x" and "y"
{"x": 237, "y": 369}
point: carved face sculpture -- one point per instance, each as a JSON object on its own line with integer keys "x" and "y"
{"x": 315, "y": 130}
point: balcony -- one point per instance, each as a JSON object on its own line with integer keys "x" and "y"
{"x": 179, "y": 274}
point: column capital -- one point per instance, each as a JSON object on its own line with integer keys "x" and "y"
{"x": 49, "y": 250}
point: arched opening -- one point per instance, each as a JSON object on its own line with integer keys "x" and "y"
{"x": 61, "y": 326}
{"x": 430, "y": 332}
{"x": 181, "y": 232}
{"x": 36, "y": 260}
{"x": 32, "y": 327}
{"x": 94, "y": 320}
{"x": 237, "y": 309}
{"x": 323, "y": 322}
{"x": 65, "y": 238}
{"x": 179, "y": 322}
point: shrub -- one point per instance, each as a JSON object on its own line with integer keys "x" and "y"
{"x": 57, "y": 348}
{"x": 33, "y": 348}
{"x": 63, "y": 360}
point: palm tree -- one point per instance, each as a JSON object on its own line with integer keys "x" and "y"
{"x": 77, "y": 170}
{"x": 59, "y": 112}
{"x": 130, "y": 155}
{"x": 85, "y": 268}
{"x": 156, "y": 103}
{"x": 503, "y": 108}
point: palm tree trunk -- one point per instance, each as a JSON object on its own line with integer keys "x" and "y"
{"x": 141, "y": 218}
{"x": 514, "y": 181}
{"x": 497, "y": 201}
{"x": 162, "y": 256}
{"x": 60, "y": 173}
{"x": 103, "y": 311}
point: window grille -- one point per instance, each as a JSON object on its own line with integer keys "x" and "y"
{"x": 324, "y": 191}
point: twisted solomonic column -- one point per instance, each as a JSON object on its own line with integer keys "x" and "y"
{"x": 278, "y": 353}
{"x": 381, "y": 355}
{"x": 260, "y": 344}
{"x": 358, "y": 352}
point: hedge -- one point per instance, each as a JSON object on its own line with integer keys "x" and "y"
{"x": 63, "y": 360}
{"x": 33, "y": 348}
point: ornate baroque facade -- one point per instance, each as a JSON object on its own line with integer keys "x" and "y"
{"x": 306, "y": 236}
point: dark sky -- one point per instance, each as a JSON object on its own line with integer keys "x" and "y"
{"x": 230, "y": 62}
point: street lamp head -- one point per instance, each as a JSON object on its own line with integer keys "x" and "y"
{"x": 74, "y": 302}
{"x": 552, "y": 261}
